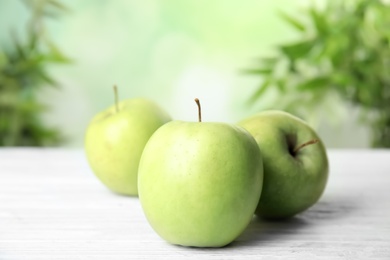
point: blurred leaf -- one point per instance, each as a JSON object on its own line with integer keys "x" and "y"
{"x": 58, "y": 5}
{"x": 281, "y": 85}
{"x": 319, "y": 22}
{"x": 292, "y": 21}
{"x": 46, "y": 78}
{"x": 23, "y": 70}
{"x": 260, "y": 91}
{"x": 310, "y": 84}
{"x": 3, "y": 60}
{"x": 269, "y": 62}
{"x": 33, "y": 38}
{"x": 345, "y": 50}
{"x": 18, "y": 47}
{"x": 31, "y": 107}
{"x": 258, "y": 71}
{"x": 55, "y": 55}
{"x": 297, "y": 50}
{"x": 340, "y": 79}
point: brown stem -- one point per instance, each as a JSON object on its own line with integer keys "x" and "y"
{"x": 199, "y": 110}
{"x": 314, "y": 141}
{"x": 116, "y": 98}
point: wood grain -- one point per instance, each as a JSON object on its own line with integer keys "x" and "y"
{"x": 53, "y": 207}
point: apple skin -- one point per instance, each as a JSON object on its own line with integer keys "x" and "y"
{"x": 199, "y": 183}
{"x": 114, "y": 142}
{"x": 291, "y": 183}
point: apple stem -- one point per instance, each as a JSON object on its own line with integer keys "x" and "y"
{"x": 116, "y": 98}
{"x": 314, "y": 141}
{"x": 199, "y": 109}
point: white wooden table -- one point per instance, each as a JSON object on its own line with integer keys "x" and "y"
{"x": 53, "y": 207}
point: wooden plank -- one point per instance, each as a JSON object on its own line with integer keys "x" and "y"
{"x": 53, "y": 207}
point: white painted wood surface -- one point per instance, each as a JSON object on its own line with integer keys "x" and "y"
{"x": 53, "y": 207}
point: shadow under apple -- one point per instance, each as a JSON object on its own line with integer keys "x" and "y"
{"x": 261, "y": 231}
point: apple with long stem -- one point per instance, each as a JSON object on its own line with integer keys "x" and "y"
{"x": 200, "y": 182}
{"x": 116, "y": 137}
{"x": 295, "y": 163}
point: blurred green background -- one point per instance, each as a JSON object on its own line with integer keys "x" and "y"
{"x": 170, "y": 51}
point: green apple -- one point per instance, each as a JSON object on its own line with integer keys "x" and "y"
{"x": 199, "y": 183}
{"x": 115, "y": 139}
{"x": 295, "y": 163}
